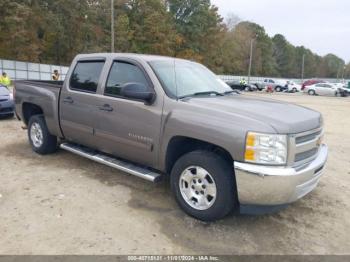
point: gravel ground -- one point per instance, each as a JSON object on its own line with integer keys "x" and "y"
{"x": 65, "y": 204}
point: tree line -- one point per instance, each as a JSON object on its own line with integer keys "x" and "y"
{"x": 54, "y": 31}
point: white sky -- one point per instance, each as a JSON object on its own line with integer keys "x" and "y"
{"x": 320, "y": 25}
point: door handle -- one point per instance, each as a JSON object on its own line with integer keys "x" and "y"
{"x": 68, "y": 100}
{"x": 106, "y": 108}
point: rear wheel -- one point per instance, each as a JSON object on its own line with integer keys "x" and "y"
{"x": 278, "y": 89}
{"x": 294, "y": 90}
{"x": 204, "y": 185}
{"x": 311, "y": 92}
{"x": 40, "y": 139}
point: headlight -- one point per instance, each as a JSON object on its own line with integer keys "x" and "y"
{"x": 11, "y": 96}
{"x": 266, "y": 149}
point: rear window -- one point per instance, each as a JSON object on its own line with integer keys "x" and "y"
{"x": 86, "y": 75}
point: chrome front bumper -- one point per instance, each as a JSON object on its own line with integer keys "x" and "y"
{"x": 271, "y": 186}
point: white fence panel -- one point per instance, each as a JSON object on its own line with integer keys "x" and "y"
{"x": 19, "y": 70}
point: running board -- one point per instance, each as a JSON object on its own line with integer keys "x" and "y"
{"x": 121, "y": 165}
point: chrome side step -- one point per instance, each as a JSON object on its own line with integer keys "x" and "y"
{"x": 121, "y": 165}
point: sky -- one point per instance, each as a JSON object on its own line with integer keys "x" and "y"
{"x": 320, "y": 25}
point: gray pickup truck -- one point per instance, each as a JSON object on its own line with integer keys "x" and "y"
{"x": 153, "y": 116}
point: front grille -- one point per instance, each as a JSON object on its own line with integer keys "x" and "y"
{"x": 3, "y": 100}
{"x": 304, "y": 147}
{"x": 306, "y": 155}
{"x": 306, "y": 138}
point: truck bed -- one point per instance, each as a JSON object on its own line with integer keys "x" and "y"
{"x": 44, "y": 94}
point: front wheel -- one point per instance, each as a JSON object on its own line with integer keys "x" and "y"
{"x": 278, "y": 89}
{"x": 204, "y": 185}
{"x": 40, "y": 139}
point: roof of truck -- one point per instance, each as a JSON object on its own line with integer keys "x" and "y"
{"x": 144, "y": 57}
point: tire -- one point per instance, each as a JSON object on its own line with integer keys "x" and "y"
{"x": 311, "y": 92}
{"x": 294, "y": 90}
{"x": 247, "y": 89}
{"x": 40, "y": 139}
{"x": 215, "y": 173}
{"x": 278, "y": 89}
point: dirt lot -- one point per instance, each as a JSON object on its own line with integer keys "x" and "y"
{"x": 64, "y": 204}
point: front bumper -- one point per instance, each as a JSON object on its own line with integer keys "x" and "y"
{"x": 272, "y": 186}
{"x": 7, "y": 107}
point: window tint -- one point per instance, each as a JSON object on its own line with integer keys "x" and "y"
{"x": 122, "y": 73}
{"x": 86, "y": 75}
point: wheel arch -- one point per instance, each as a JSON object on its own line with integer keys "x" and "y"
{"x": 180, "y": 145}
{"x": 29, "y": 110}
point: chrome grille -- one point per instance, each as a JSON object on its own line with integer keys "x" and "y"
{"x": 305, "y": 155}
{"x": 304, "y": 147}
{"x": 306, "y": 138}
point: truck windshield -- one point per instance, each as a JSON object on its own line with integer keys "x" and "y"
{"x": 184, "y": 79}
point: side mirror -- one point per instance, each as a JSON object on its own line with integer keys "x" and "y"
{"x": 138, "y": 91}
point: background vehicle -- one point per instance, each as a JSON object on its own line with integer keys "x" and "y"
{"x": 236, "y": 85}
{"x": 293, "y": 87}
{"x": 277, "y": 85}
{"x": 260, "y": 86}
{"x": 222, "y": 151}
{"x": 6, "y": 102}
{"x": 311, "y": 82}
{"x": 322, "y": 89}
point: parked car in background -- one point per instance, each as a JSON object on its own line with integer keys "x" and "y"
{"x": 236, "y": 85}
{"x": 311, "y": 82}
{"x": 260, "y": 86}
{"x": 322, "y": 89}
{"x": 293, "y": 87}
{"x": 277, "y": 85}
{"x": 6, "y": 102}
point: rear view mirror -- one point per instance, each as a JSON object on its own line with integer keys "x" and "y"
{"x": 138, "y": 91}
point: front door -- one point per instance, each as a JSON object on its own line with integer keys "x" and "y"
{"x": 77, "y": 102}
{"x": 124, "y": 127}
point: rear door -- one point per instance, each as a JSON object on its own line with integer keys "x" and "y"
{"x": 77, "y": 101}
{"x": 128, "y": 128}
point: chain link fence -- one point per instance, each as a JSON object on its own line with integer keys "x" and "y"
{"x": 18, "y": 70}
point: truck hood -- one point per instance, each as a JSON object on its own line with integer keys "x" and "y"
{"x": 285, "y": 118}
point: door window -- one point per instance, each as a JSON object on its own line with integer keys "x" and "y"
{"x": 86, "y": 75}
{"x": 122, "y": 73}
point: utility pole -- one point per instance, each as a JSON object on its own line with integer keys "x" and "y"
{"x": 343, "y": 73}
{"x": 112, "y": 26}
{"x": 303, "y": 69}
{"x": 250, "y": 59}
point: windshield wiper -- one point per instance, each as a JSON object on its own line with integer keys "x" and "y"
{"x": 202, "y": 94}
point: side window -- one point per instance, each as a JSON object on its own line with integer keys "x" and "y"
{"x": 122, "y": 73}
{"x": 86, "y": 75}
